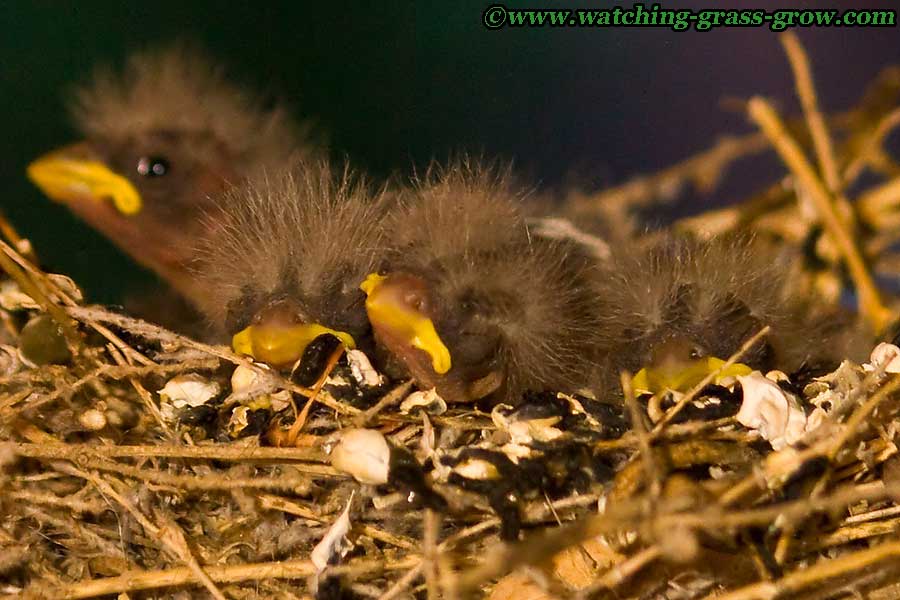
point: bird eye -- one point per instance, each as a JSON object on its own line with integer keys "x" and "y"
{"x": 697, "y": 352}
{"x": 414, "y": 300}
{"x": 152, "y": 166}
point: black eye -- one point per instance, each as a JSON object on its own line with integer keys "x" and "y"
{"x": 697, "y": 352}
{"x": 152, "y": 166}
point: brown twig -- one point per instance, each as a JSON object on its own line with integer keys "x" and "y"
{"x": 704, "y": 169}
{"x": 80, "y": 453}
{"x": 806, "y": 91}
{"x": 651, "y": 468}
{"x": 134, "y": 581}
{"x": 871, "y": 305}
{"x": 819, "y": 572}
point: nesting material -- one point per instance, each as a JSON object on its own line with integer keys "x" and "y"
{"x": 363, "y": 454}
{"x": 776, "y": 414}
{"x": 428, "y": 401}
{"x": 335, "y": 544}
{"x": 184, "y": 392}
{"x": 756, "y": 486}
{"x": 885, "y": 357}
{"x": 362, "y": 370}
{"x": 557, "y": 482}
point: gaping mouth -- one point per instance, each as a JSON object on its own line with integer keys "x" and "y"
{"x": 681, "y": 378}
{"x": 390, "y": 311}
{"x": 282, "y": 345}
{"x": 69, "y": 176}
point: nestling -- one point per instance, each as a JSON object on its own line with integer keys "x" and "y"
{"x": 471, "y": 304}
{"x": 682, "y": 306}
{"x": 161, "y": 140}
{"x": 285, "y": 257}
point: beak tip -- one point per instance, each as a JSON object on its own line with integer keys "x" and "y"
{"x": 35, "y": 171}
{"x": 67, "y": 177}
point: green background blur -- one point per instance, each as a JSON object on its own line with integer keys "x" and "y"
{"x": 395, "y": 84}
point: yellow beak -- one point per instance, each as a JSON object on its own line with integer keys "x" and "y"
{"x": 66, "y": 178}
{"x": 282, "y": 345}
{"x": 653, "y": 380}
{"x": 418, "y": 330}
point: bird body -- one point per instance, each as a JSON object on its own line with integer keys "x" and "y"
{"x": 285, "y": 256}
{"x": 682, "y": 302}
{"x": 515, "y": 312}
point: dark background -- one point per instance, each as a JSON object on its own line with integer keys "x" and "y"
{"x": 396, "y": 84}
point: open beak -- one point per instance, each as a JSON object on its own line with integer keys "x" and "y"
{"x": 394, "y": 316}
{"x": 282, "y": 345}
{"x": 682, "y": 377}
{"x": 72, "y": 174}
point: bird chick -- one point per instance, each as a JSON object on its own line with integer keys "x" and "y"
{"x": 682, "y": 307}
{"x": 473, "y": 305}
{"x": 284, "y": 260}
{"x": 161, "y": 139}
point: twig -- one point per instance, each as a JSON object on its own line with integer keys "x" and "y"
{"x": 392, "y": 397}
{"x": 22, "y": 245}
{"x": 704, "y": 169}
{"x": 870, "y": 146}
{"x": 851, "y": 533}
{"x": 818, "y": 572}
{"x": 300, "y": 419}
{"x": 218, "y": 482}
{"x": 134, "y": 581}
{"x": 770, "y": 123}
{"x": 431, "y": 527}
{"x": 806, "y": 91}
{"x": 169, "y": 534}
{"x": 872, "y": 515}
{"x": 80, "y": 453}
{"x": 70, "y": 503}
{"x": 142, "y": 392}
{"x": 622, "y": 572}
{"x": 651, "y": 469}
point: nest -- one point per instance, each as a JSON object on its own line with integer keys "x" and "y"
{"x": 140, "y": 463}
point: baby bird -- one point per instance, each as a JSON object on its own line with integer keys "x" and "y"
{"x": 473, "y": 305}
{"x": 682, "y": 307}
{"x": 285, "y": 258}
{"x": 161, "y": 139}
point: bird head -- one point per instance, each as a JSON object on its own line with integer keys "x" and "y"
{"x": 679, "y": 362}
{"x": 284, "y": 259}
{"x": 280, "y": 333}
{"x": 161, "y": 139}
{"x": 683, "y": 307}
{"x": 440, "y": 338}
